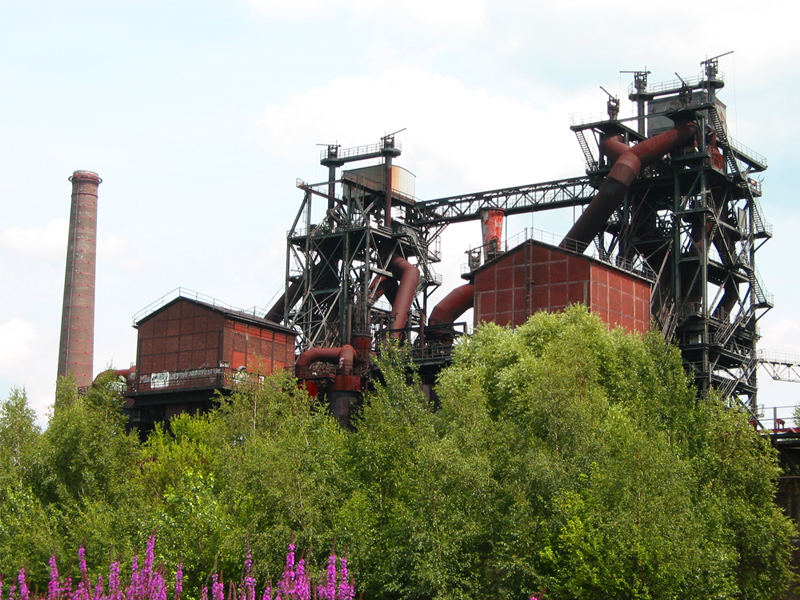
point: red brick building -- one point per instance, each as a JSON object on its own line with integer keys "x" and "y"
{"x": 535, "y": 276}
{"x": 188, "y": 348}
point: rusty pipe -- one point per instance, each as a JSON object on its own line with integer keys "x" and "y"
{"x": 384, "y": 286}
{"x": 343, "y": 356}
{"x": 452, "y": 306}
{"x": 614, "y": 187}
{"x": 613, "y": 146}
{"x": 408, "y": 275}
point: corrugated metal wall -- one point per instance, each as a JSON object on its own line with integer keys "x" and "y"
{"x": 535, "y": 277}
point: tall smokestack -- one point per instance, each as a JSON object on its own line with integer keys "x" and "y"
{"x": 76, "y": 350}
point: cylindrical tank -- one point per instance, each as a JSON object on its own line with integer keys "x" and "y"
{"x": 492, "y": 230}
{"x": 76, "y": 348}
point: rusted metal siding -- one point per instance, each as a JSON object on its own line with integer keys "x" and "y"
{"x": 182, "y": 336}
{"x": 258, "y": 349}
{"x": 188, "y": 345}
{"x": 620, "y": 299}
{"x": 535, "y": 277}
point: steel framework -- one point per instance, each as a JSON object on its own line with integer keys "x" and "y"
{"x": 693, "y": 218}
{"x": 339, "y": 250}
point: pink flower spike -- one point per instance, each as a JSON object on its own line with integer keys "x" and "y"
{"x": 179, "y": 581}
{"x": 54, "y": 585}
{"x": 98, "y": 588}
{"x": 82, "y": 562}
{"x": 24, "y": 593}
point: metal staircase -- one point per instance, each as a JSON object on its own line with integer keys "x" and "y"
{"x": 747, "y": 370}
{"x": 591, "y": 163}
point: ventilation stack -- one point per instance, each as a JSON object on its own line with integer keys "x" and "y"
{"x": 76, "y": 349}
{"x": 492, "y": 230}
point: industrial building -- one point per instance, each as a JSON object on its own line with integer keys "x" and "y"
{"x": 534, "y": 276}
{"x": 667, "y": 237}
{"x": 189, "y": 347}
{"x": 667, "y": 195}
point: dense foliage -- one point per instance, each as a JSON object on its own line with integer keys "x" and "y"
{"x": 564, "y": 460}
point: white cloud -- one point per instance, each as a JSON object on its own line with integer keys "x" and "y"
{"x": 17, "y": 339}
{"x": 43, "y": 241}
{"x": 454, "y": 131}
{"x": 450, "y": 14}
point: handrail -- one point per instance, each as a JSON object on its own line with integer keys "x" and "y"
{"x": 358, "y": 150}
{"x": 552, "y": 239}
{"x": 181, "y": 292}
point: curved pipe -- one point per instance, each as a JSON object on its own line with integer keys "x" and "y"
{"x": 614, "y": 146}
{"x": 622, "y": 174}
{"x": 408, "y": 275}
{"x": 384, "y": 286}
{"x": 452, "y": 306}
{"x": 342, "y": 355}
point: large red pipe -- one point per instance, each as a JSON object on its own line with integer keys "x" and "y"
{"x": 384, "y": 286}
{"x": 452, "y": 306}
{"x": 408, "y": 275}
{"x": 343, "y": 356}
{"x": 614, "y": 147}
{"x": 622, "y": 174}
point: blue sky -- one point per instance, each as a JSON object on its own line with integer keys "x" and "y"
{"x": 200, "y": 115}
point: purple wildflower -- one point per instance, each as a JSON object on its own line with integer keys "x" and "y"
{"x": 302, "y": 585}
{"x": 24, "y": 593}
{"x": 150, "y": 553}
{"x": 113, "y": 581}
{"x": 286, "y": 584}
{"x": 267, "y": 595}
{"x": 204, "y": 593}
{"x": 346, "y": 591}
{"x": 82, "y": 561}
{"x": 179, "y": 582}
{"x": 54, "y": 585}
{"x": 331, "y": 581}
{"x": 98, "y": 589}
{"x": 82, "y": 591}
{"x": 131, "y": 591}
{"x": 217, "y": 588}
{"x": 249, "y": 592}
{"x": 290, "y": 558}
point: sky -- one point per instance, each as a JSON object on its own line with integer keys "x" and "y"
{"x": 201, "y": 115}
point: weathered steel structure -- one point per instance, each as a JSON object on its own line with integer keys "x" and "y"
{"x": 695, "y": 220}
{"x": 191, "y": 346}
{"x": 672, "y": 199}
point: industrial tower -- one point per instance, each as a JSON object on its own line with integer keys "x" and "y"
{"x": 695, "y": 220}
{"x": 674, "y": 199}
